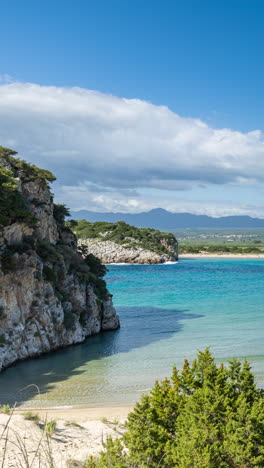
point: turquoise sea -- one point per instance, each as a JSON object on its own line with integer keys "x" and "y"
{"x": 167, "y": 313}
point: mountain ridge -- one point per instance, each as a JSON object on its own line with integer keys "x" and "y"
{"x": 158, "y": 218}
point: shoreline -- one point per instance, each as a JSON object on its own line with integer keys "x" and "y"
{"x": 222, "y": 255}
{"x": 79, "y": 413}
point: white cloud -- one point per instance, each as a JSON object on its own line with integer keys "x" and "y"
{"x": 119, "y": 144}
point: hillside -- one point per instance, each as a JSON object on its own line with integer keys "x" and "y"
{"x": 50, "y": 295}
{"x": 119, "y": 242}
{"x": 162, "y": 219}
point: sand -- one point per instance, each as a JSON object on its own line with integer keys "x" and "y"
{"x": 79, "y": 433}
{"x": 224, "y": 255}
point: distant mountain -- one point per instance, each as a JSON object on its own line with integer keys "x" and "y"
{"x": 162, "y": 219}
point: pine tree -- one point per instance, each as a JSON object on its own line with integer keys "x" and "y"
{"x": 203, "y": 417}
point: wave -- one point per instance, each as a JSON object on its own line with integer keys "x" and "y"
{"x": 169, "y": 263}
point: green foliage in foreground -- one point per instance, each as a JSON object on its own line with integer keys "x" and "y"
{"x": 203, "y": 417}
{"x": 123, "y": 234}
{"x": 234, "y": 249}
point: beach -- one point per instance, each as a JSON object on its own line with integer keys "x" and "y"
{"x": 79, "y": 433}
{"x": 80, "y": 413}
{"x": 221, "y": 255}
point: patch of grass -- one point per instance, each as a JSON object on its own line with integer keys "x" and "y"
{"x": 103, "y": 419}
{"x": 5, "y": 409}
{"x": 50, "y": 427}
{"x": 31, "y": 417}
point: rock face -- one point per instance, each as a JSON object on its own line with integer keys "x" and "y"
{"x": 111, "y": 252}
{"x": 122, "y": 243}
{"x": 50, "y": 296}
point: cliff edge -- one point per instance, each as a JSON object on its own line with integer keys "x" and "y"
{"x": 121, "y": 243}
{"x": 51, "y": 295}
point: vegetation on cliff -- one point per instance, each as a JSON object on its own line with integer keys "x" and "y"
{"x": 49, "y": 289}
{"x": 14, "y": 207}
{"x": 124, "y": 234}
{"x": 204, "y": 416}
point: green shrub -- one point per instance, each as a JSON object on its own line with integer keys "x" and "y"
{"x": 7, "y": 261}
{"x": 69, "y": 320}
{"x": 23, "y": 169}
{"x": 49, "y": 274}
{"x": 2, "y": 339}
{"x": 95, "y": 265}
{"x": 5, "y": 409}
{"x": 50, "y": 427}
{"x": 100, "y": 288}
{"x": 203, "y": 417}
{"x": 31, "y": 417}
{"x": 60, "y": 212}
{"x": 2, "y": 312}
{"x": 13, "y": 205}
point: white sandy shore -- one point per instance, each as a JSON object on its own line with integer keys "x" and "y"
{"x": 79, "y": 433}
{"x": 219, "y": 255}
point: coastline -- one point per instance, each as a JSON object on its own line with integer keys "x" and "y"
{"x": 223, "y": 255}
{"x": 79, "y": 413}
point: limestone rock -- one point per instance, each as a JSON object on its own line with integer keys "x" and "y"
{"x": 112, "y": 252}
{"x": 49, "y": 296}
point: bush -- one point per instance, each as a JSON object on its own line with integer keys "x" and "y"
{"x": 49, "y": 274}
{"x": 32, "y": 417}
{"x": 50, "y": 427}
{"x": 5, "y": 409}
{"x": 13, "y": 205}
{"x": 69, "y": 320}
{"x": 95, "y": 265}
{"x": 23, "y": 169}
{"x": 60, "y": 212}
{"x": 2, "y": 312}
{"x": 204, "y": 416}
{"x": 100, "y": 288}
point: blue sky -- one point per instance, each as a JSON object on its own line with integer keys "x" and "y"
{"x": 202, "y": 59}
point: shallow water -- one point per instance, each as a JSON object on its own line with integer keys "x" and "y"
{"x": 167, "y": 313}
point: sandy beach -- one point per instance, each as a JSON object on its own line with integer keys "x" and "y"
{"x": 79, "y": 433}
{"x": 222, "y": 255}
{"x": 79, "y": 413}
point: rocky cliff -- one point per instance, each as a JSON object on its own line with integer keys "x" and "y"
{"x": 51, "y": 295}
{"x": 121, "y": 243}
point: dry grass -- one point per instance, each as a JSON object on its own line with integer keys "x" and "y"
{"x": 27, "y": 451}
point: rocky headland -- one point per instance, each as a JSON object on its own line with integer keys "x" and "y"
{"x": 51, "y": 295}
{"x": 121, "y": 243}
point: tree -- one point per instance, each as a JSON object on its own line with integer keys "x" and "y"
{"x": 204, "y": 416}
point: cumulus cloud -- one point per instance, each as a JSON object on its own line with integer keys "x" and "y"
{"x": 117, "y": 144}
